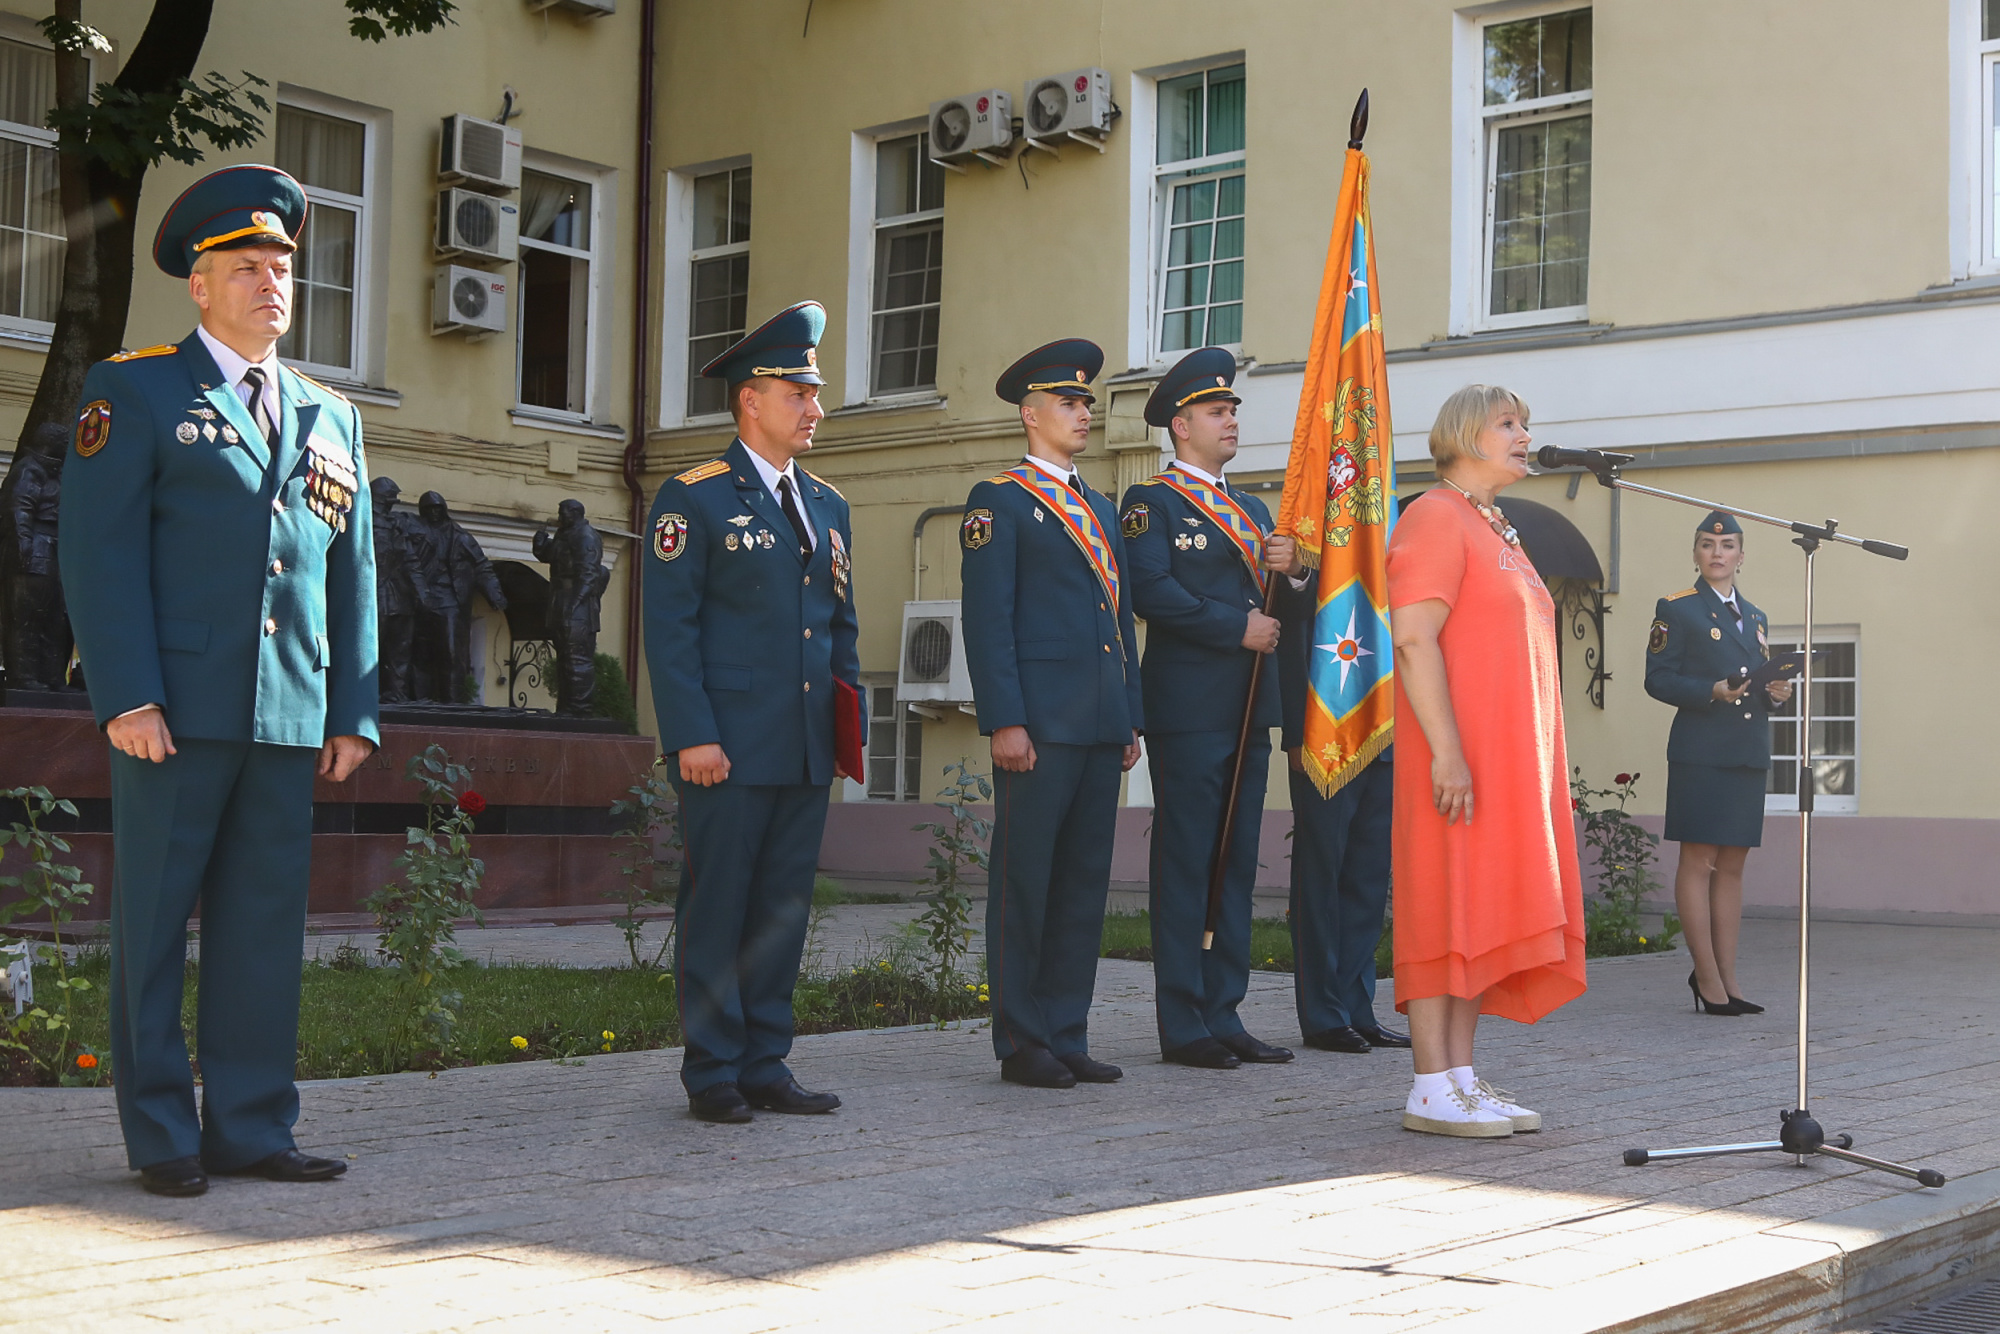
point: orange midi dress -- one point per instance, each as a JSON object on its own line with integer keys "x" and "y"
{"x": 1493, "y": 908}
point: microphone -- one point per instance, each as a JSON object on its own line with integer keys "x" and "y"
{"x": 1551, "y": 456}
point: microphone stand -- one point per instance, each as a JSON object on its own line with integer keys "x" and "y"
{"x": 1799, "y": 1134}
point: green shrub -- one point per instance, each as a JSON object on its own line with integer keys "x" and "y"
{"x": 611, "y": 696}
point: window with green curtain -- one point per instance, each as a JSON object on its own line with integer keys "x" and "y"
{"x": 328, "y": 156}
{"x": 1201, "y": 120}
{"x": 1537, "y": 75}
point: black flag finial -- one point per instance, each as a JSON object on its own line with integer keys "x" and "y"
{"x": 1357, "y": 128}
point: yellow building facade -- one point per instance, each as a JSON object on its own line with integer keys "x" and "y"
{"x": 1756, "y": 246}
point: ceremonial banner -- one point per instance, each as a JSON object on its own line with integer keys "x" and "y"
{"x": 1339, "y": 502}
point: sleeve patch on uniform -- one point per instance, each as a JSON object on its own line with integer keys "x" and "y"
{"x": 93, "y": 427}
{"x": 1136, "y": 520}
{"x": 1657, "y": 641}
{"x": 669, "y": 536}
{"x": 977, "y": 530}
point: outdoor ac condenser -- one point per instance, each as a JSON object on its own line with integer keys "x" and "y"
{"x": 468, "y": 301}
{"x": 975, "y": 125}
{"x": 472, "y": 224}
{"x": 481, "y": 153}
{"x": 1074, "y": 103}
{"x": 932, "y": 668}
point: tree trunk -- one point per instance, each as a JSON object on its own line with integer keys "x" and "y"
{"x": 100, "y": 208}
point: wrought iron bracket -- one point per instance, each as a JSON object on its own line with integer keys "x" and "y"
{"x": 1581, "y": 611}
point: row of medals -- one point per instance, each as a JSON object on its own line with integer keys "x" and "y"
{"x": 1199, "y": 541}
{"x": 330, "y": 486}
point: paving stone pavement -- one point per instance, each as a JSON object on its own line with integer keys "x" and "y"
{"x": 582, "y": 1197}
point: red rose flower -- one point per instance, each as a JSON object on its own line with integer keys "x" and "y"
{"x": 1576, "y": 803}
{"x": 1623, "y": 779}
{"x": 472, "y": 803}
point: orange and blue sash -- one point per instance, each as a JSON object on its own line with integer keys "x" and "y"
{"x": 1078, "y": 519}
{"x": 1228, "y": 515}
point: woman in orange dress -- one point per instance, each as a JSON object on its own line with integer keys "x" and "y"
{"x": 1489, "y": 901}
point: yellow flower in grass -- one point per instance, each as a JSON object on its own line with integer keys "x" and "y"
{"x": 609, "y": 1036}
{"x": 883, "y": 965}
{"x": 1642, "y": 940}
{"x": 518, "y": 1042}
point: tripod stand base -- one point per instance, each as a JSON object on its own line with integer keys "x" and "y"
{"x": 1799, "y": 1136}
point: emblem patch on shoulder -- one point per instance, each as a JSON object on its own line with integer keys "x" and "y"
{"x": 977, "y": 530}
{"x": 1657, "y": 641}
{"x": 1136, "y": 520}
{"x": 670, "y": 536}
{"x": 93, "y": 427}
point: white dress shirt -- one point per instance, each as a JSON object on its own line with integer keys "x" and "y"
{"x": 232, "y": 365}
{"x": 770, "y": 478}
{"x": 1064, "y": 475}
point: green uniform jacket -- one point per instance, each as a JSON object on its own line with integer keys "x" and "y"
{"x": 1695, "y": 643}
{"x": 231, "y": 586}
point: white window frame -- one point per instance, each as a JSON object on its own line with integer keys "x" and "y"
{"x": 677, "y": 288}
{"x": 599, "y": 256}
{"x": 1160, "y": 180}
{"x": 363, "y": 335}
{"x": 22, "y": 30}
{"x": 857, "y": 377}
{"x": 899, "y": 724}
{"x": 1780, "y": 803}
{"x": 1476, "y": 129}
{"x": 1975, "y": 176}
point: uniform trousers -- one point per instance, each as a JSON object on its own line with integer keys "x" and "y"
{"x": 1196, "y": 991}
{"x": 1340, "y": 887}
{"x": 225, "y": 825}
{"x": 1050, "y": 871}
{"x": 740, "y": 925}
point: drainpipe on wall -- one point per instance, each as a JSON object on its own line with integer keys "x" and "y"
{"x": 642, "y": 268}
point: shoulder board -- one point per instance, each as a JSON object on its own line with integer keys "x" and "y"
{"x": 1684, "y": 593}
{"x": 160, "y": 351}
{"x": 1154, "y": 481}
{"x": 823, "y": 482}
{"x": 999, "y": 478}
{"x": 316, "y": 384}
{"x": 702, "y": 472}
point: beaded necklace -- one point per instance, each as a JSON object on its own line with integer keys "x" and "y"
{"x": 1491, "y": 513}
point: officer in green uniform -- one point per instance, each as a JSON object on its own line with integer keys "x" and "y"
{"x": 1196, "y": 552}
{"x": 750, "y": 639}
{"x": 1703, "y": 642}
{"x": 1050, "y": 644}
{"x": 220, "y": 577}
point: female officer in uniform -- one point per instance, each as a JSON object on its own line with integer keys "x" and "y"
{"x": 1718, "y": 754}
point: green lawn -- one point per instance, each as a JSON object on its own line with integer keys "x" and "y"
{"x": 1129, "y": 935}
{"x": 347, "y": 1011}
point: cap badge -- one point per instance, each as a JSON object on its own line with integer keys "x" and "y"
{"x": 1221, "y": 383}
{"x": 1716, "y": 526}
{"x": 812, "y": 356}
{"x": 1080, "y": 379}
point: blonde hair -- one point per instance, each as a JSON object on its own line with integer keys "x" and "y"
{"x": 1455, "y": 434}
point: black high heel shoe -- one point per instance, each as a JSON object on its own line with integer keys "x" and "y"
{"x": 1702, "y": 1005}
{"x": 1747, "y": 1007}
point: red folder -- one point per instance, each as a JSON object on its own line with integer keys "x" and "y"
{"x": 847, "y": 755}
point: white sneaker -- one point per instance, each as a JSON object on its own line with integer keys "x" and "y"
{"x": 1501, "y": 1101}
{"x": 1457, "y": 1112}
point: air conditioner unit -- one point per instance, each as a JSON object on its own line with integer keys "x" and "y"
{"x": 1069, "y": 105}
{"x": 469, "y": 223}
{"x": 933, "y": 662}
{"x": 480, "y": 153}
{"x": 976, "y": 125}
{"x": 590, "y": 9}
{"x": 470, "y": 301}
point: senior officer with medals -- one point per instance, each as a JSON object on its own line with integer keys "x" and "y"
{"x": 218, "y": 563}
{"x": 750, "y": 631}
{"x": 1197, "y": 562}
{"x": 1051, "y": 648}
{"x": 1703, "y": 643}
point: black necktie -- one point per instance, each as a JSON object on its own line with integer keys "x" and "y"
{"x": 791, "y": 509}
{"x": 259, "y": 413}
{"x": 1076, "y": 483}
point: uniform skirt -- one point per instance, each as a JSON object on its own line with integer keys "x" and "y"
{"x": 1707, "y": 803}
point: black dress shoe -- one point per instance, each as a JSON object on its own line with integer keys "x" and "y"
{"x": 176, "y": 1176}
{"x": 786, "y": 1096}
{"x": 289, "y": 1165}
{"x": 1204, "y": 1054}
{"x": 1748, "y": 1007}
{"x": 1255, "y": 1052}
{"x": 1088, "y": 1071}
{"x": 1382, "y": 1037}
{"x": 1343, "y": 1038}
{"x": 721, "y": 1103}
{"x": 1036, "y": 1068}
